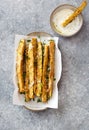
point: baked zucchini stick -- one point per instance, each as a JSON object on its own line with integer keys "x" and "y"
{"x": 19, "y": 65}
{"x": 39, "y": 69}
{"x": 75, "y": 14}
{"x": 34, "y": 42}
{"x": 51, "y": 64}
{"x": 44, "y": 75}
{"x": 27, "y": 75}
{"x": 31, "y": 70}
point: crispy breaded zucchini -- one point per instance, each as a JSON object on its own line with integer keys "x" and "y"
{"x": 19, "y": 65}
{"x": 75, "y": 13}
{"x": 39, "y": 69}
{"x": 27, "y": 75}
{"x": 51, "y": 64}
{"x": 34, "y": 42}
{"x": 44, "y": 75}
{"x": 31, "y": 69}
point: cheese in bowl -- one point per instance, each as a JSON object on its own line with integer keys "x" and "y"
{"x": 59, "y": 15}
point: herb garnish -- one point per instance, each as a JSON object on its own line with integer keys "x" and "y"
{"x": 39, "y": 100}
{"x": 29, "y": 40}
{"x": 25, "y": 100}
{"x": 48, "y": 68}
{"x": 54, "y": 79}
{"x": 38, "y": 36}
{"x": 22, "y": 92}
{"x": 44, "y": 43}
{"x": 33, "y": 99}
{"x": 26, "y": 57}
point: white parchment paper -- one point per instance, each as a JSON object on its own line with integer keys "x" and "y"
{"x": 18, "y": 99}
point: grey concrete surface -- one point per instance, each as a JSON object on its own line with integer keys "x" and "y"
{"x": 22, "y": 17}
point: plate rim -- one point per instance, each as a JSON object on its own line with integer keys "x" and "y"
{"x": 39, "y": 33}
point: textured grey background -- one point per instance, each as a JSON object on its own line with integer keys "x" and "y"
{"x": 22, "y": 17}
